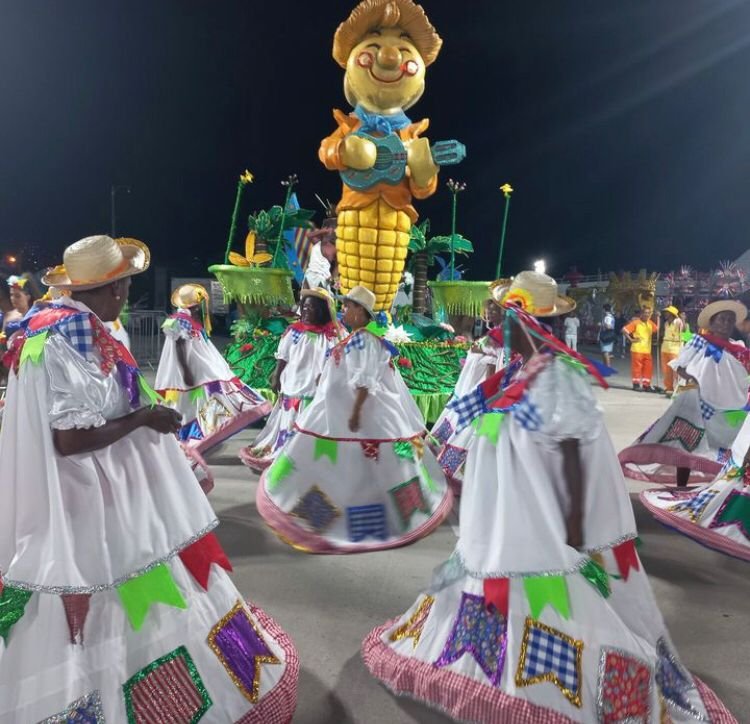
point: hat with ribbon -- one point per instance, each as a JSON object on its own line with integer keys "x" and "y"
{"x": 536, "y": 294}
{"x": 97, "y": 261}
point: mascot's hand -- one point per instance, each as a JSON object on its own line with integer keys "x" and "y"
{"x": 419, "y": 159}
{"x": 358, "y": 153}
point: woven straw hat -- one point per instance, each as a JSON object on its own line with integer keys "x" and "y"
{"x": 362, "y": 296}
{"x": 189, "y": 295}
{"x": 97, "y": 261}
{"x": 374, "y": 14}
{"x": 323, "y": 294}
{"x": 536, "y": 294}
{"x": 723, "y": 305}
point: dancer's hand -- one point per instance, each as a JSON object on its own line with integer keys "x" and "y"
{"x": 162, "y": 419}
{"x": 354, "y": 421}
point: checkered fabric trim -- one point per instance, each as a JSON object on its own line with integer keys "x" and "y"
{"x": 550, "y": 655}
{"x": 356, "y": 341}
{"x": 707, "y": 411}
{"x": 78, "y": 331}
{"x": 297, "y": 335}
{"x": 695, "y": 506}
{"x": 527, "y": 415}
{"x": 468, "y": 407}
{"x": 696, "y": 342}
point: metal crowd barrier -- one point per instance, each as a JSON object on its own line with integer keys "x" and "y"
{"x": 146, "y": 338}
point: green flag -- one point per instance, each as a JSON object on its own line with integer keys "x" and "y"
{"x": 327, "y": 447}
{"x": 543, "y": 590}
{"x": 32, "y": 349}
{"x": 155, "y": 586}
{"x": 281, "y": 468}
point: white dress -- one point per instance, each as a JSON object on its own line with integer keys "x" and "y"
{"x": 116, "y": 605}
{"x": 716, "y": 514}
{"x": 304, "y": 349}
{"x": 699, "y": 427}
{"x": 219, "y": 404}
{"x": 453, "y": 450}
{"x": 332, "y": 490}
{"x": 517, "y": 626}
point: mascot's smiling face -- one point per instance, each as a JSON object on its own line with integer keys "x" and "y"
{"x": 385, "y": 72}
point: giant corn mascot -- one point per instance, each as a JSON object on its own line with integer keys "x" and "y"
{"x": 385, "y": 47}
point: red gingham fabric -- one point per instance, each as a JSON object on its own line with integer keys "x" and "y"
{"x": 278, "y": 705}
{"x": 167, "y": 694}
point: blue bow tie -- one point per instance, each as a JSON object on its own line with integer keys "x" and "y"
{"x": 382, "y": 124}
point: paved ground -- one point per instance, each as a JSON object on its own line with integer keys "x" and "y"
{"x": 329, "y": 603}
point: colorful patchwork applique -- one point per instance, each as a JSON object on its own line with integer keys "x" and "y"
{"x": 694, "y": 506}
{"x": 86, "y": 710}
{"x": 735, "y": 510}
{"x": 468, "y": 407}
{"x": 213, "y": 415}
{"x": 412, "y": 629}
{"x": 451, "y": 458}
{"x": 674, "y": 681}
{"x": 624, "y": 690}
{"x": 168, "y": 689}
{"x": 366, "y": 520}
{"x": 240, "y": 647}
{"x": 443, "y": 431}
{"x": 409, "y": 499}
{"x": 684, "y": 432}
{"x": 481, "y": 632}
{"x": 317, "y": 509}
{"x": 283, "y": 438}
{"x": 356, "y": 341}
{"x": 403, "y": 450}
{"x": 527, "y": 415}
{"x": 550, "y": 655}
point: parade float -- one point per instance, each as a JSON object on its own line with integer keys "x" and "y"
{"x": 385, "y": 163}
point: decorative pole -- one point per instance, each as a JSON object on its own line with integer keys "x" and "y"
{"x": 290, "y": 183}
{"x": 455, "y": 187}
{"x": 507, "y": 190}
{"x": 245, "y": 179}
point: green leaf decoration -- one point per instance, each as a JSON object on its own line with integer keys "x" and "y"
{"x": 735, "y": 418}
{"x": 12, "y": 606}
{"x": 33, "y": 348}
{"x": 488, "y": 425}
{"x": 282, "y": 467}
{"x": 597, "y": 577}
{"x": 460, "y": 244}
{"x": 155, "y": 586}
{"x": 543, "y": 590}
{"x": 404, "y": 450}
{"x": 197, "y": 394}
{"x": 327, "y": 448}
{"x": 148, "y": 392}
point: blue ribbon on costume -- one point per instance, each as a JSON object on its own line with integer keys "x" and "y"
{"x": 382, "y": 124}
{"x": 714, "y": 352}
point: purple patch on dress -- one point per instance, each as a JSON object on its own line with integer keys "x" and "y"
{"x": 478, "y": 631}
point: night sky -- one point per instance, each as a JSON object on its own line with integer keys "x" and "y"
{"x": 622, "y": 125}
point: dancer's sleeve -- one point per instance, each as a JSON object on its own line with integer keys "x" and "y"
{"x": 282, "y": 351}
{"x": 367, "y": 361}
{"x": 174, "y": 330}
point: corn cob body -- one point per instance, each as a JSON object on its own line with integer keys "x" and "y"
{"x": 371, "y": 247}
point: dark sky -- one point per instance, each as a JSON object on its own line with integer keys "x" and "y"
{"x": 622, "y": 125}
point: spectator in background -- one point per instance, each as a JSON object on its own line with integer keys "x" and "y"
{"x": 571, "y": 326}
{"x": 640, "y": 332}
{"x": 671, "y": 346}
{"x": 607, "y": 335}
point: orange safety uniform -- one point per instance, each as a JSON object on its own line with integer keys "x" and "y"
{"x": 641, "y": 364}
{"x": 670, "y": 349}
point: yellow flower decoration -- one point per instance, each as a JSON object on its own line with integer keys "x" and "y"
{"x": 247, "y": 177}
{"x": 507, "y": 189}
{"x": 520, "y": 298}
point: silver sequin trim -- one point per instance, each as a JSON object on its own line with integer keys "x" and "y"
{"x": 90, "y": 701}
{"x": 526, "y": 574}
{"x": 63, "y": 590}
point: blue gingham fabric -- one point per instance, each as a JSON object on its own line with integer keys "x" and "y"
{"x": 356, "y": 341}
{"x": 707, "y": 411}
{"x": 527, "y": 414}
{"x": 547, "y": 653}
{"x": 79, "y": 332}
{"x": 297, "y": 335}
{"x": 468, "y": 407}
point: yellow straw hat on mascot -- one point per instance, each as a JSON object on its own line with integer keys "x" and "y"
{"x": 193, "y": 295}
{"x": 385, "y": 47}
